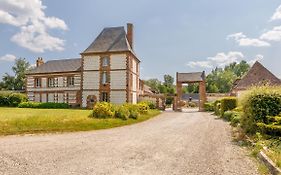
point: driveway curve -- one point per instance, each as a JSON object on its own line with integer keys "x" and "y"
{"x": 171, "y": 143}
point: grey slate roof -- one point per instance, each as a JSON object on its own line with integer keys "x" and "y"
{"x": 256, "y": 76}
{"x": 109, "y": 40}
{"x": 63, "y": 65}
{"x": 191, "y": 77}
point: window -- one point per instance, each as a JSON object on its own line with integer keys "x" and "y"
{"x": 105, "y": 61}
{"x": 104, "y": 78}
{"x": 104, "y": 97}
{"x": 70, "y": 81}
{"x": 51, "y": 82}
{"x": 37, "y": 82}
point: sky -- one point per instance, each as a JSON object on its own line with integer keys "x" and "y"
{"x": 169, "y": 36}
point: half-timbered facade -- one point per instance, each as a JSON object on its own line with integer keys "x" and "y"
{"x": 108, "y": 70}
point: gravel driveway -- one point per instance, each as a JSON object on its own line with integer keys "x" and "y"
{"x": 172, "y": 143}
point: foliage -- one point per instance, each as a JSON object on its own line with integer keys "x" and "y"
{"x": 134, "y": 110}
{"x": 192, "y": 104}
{"x": 12, "y": 99}
{"x": 209, "y": 106}
{"x": 103, "y": 110}
{"x": 235, "y": 118}
{"x": 16, "y": 82}
{"x": 228, "y": 103}
{"x": 259, "y": 103}
{"x": 168, "y": 80}
{"x": 16, "y": 98}
{"x": 166, "y": 87}
{"x": 221, "y": 80}
{"x": 227, "y": 115}
{"x": 169, "y": 100}
{"x": 122, "y": 112}
{"x": 26, "y": 120}
{"x": 143, "y": 107}
{"x": 48, "y": 105}
{"x": 150, "y": 104}
{"x": 217, "y": 107}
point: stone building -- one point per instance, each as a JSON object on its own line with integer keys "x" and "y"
{"x": 108, "y": 70}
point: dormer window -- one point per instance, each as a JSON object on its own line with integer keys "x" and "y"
{"x": 105, "y": 61}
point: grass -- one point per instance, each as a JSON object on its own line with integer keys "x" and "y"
{"x": 28, "y": 121}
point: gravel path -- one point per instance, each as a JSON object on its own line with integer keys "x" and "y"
{"x": 172, "y": 143}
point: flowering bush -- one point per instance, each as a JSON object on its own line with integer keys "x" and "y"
{"x": 103, "y": 110}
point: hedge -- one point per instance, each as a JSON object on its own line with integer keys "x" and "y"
{"x": 125, "y": 111}
{"x": 270, "y": 129}
{"x": 209, "y": 106}
{"x": 217, "y": 107}
{"x": 48, "y": 105}
{"x": 259, "y": 103}
{"x": 12, "y": 99}
{"x": 228, "y": 103}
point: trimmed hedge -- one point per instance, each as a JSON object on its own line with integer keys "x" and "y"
{"x": 47, "y": 105}
{"x": 228, "y": 103}
{"x": 259, "y": 103}
{"x": 209, "y": 106}
{"x": 232, "y": 116}
{"x": 217, "y": 107}
{"x": 12, "y": 99}
{"x": 270, "y": 129}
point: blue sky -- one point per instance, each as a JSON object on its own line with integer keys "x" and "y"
{"x": 169, "y": 36}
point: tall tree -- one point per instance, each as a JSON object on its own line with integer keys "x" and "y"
{"x": 17, "y": 82}
{"x": 168, "y": 80}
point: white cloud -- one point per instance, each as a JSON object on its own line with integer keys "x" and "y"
{"x": 272, "y": 35}
{"x": 258, "y": 57}
{"x": 203, "y": 64}
{"x": 243, "y": 40}
{"x": 219, "y": 60}
{"x": 277, "y": 14}
{"x": 30, "y": 17}
{"x": 8, "y": 58}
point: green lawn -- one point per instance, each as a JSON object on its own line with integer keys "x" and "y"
{"x": 23, "y": 121}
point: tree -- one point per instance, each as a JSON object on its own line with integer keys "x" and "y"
{"x": 168, "y": 80}
{"x": 154, "y": 84}
{"x": 16, "y": 82}
{"x": 221, "y": 80}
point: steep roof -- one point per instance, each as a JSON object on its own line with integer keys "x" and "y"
{"x": 109, "y": 40}
{"x": 191, "y": 77}
{"x": 62, "y": 65}
{"x": 257, "y": 75}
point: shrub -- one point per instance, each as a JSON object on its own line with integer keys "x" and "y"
{"x": 228, "y": 103}
{"x": 143, "y": 107}
{"x": 227, "y": 115}
{"x": 150, "y": 104}
{"x": 270, "y": 129}
{"x": 217, "y": 107}
{"x": 209, "y": 106}
{"x": 259, "y": 103}
{"x": 122, "y": 112}
{"x": 169, "y": 100}
{"x": 235, "y": 119}
{"x": 12, "y": 99}
{"x": 134, "y": 110}
{"x": 48, "y": 105}
{"x": 192, "y": 104}
{"x": 103, "y": 110}
{"x": 4, "y": 99}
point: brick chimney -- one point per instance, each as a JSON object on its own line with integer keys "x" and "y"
{"x": 130, "y": 34}
{"x": 39, "y": 61}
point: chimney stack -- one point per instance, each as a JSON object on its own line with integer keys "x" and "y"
{"x": 130, "y": 34}
{"x": 39, "y": 61}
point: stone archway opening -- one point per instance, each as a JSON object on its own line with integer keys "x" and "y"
{"x": 188, "y": 78}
